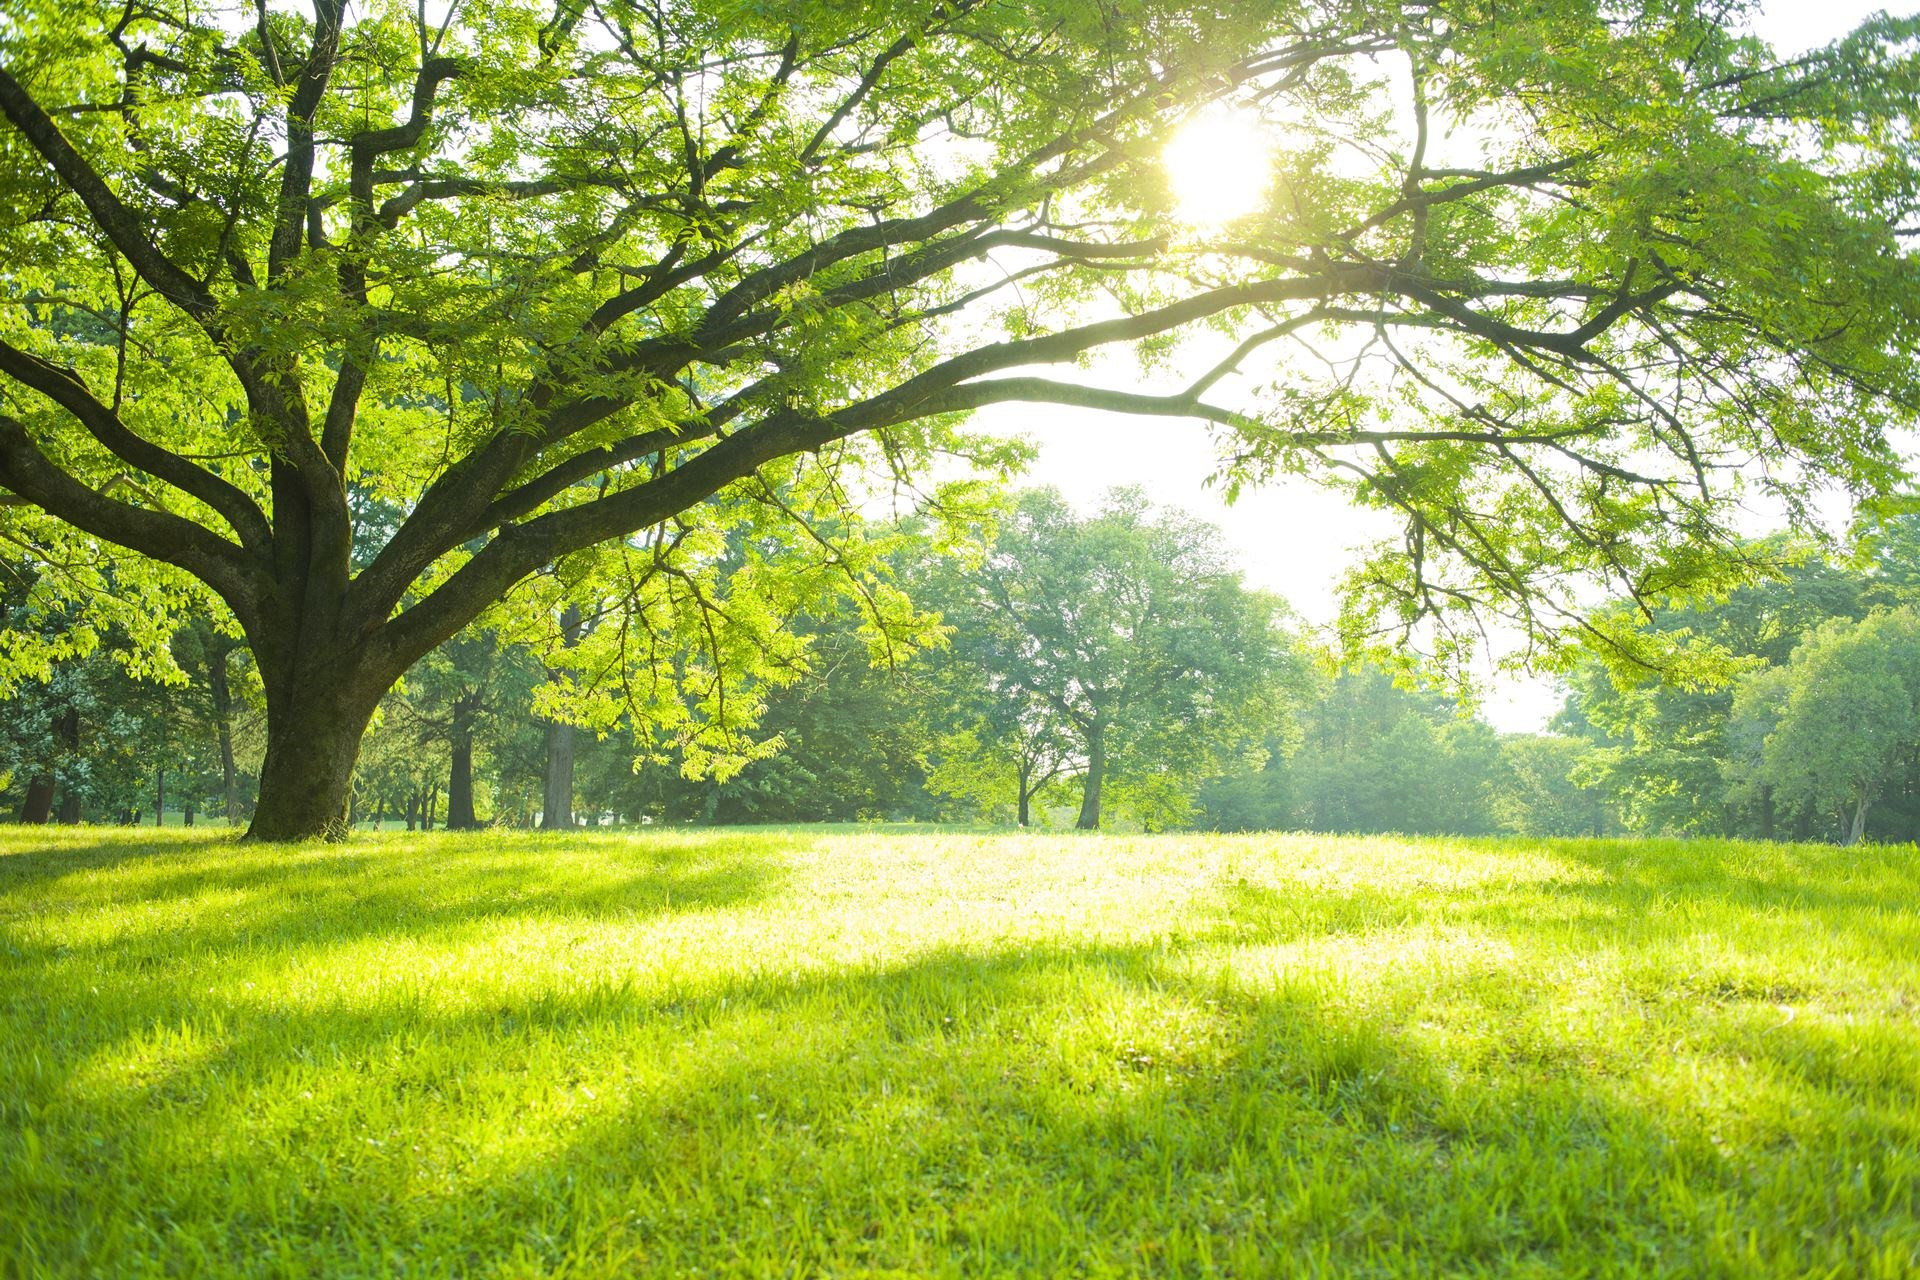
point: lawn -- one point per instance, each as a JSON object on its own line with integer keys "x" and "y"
{"x": 831, "y": 1052}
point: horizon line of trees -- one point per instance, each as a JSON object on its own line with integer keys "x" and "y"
{"x": 1093, "y": 669}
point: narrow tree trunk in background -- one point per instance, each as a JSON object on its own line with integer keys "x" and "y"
{"x": 1766, "y": 813}
{"x": 37, "y": 805}
{"x": 380, "y": 812}
{"x": 1096, "y": 775}
{"x": 460, "y": 786}
{"x": 222, "y": 697}
{"x": 556, "y": 788}
{"x": 1026, "y": 807}
{"x": 413, "y": 810}
{"x": 427, "y": 807}
{"x": 67, "y": 729}
{"x": 460, "y": 815}
{"x": 1859, "y": 827}
{"x": 186, "y": 815}
{"x": 159, "y": 797}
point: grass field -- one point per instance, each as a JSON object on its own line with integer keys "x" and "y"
{"x": 837, "y": 1052}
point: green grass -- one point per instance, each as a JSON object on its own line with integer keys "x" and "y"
{"x": 836, "y": 1052}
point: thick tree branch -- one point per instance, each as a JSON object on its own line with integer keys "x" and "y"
{"x": 66, "y": 390}
{"x": 161, "y": 535}
{"x": 121, "y": 225}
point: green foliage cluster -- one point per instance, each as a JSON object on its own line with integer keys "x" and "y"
{"x": 1809, "y": 728}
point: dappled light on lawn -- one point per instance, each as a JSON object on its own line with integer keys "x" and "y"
{"x": 844, "y": 1051}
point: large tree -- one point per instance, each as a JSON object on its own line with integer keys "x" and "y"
{"x": 546, "y": 276}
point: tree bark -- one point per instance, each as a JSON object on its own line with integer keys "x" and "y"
{"x": 1026, "y": 806}
{"x": 37, "y": 806}
{"x": 1766, "y": 813}
{"x": 159, "y": 797}
{"x": 556, "y": 792}
{"x": 1096, "y": 776}
{"x": 68, "y": 729}
{"x": 1859, "y": 827}
{"x": 221, "y": 694}
{"x": 313, "y": 743}
{"x": 460, "y": 815}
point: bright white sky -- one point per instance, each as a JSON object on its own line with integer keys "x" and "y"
{"x": 1296, "y": 539}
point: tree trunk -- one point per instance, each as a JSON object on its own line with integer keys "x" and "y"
{"x": 460, "y": 783}
{"x": 413, "y": 810}
{"x": 1766, "y": 813}
{"x": 1026, "y": 806}
{"x": 313, "y": 742}
{"x": 159, "y": 797}
{"x": 68, "y": 729}
{"x": 1859, "y": 827}
{"x": 427, "y": 807}
{"x": 556, "y": 792}
{"x": 1090, "y": 787}
{"x": 37, "y": 806}
{"x": 186, "y": 814}
{"x": 220, "y": 693}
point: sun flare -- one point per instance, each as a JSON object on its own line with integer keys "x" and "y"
{"x": 1219, "y": 166}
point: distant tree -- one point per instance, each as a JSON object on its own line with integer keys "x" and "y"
{"x": 1758, "y": 700}
{"x": 998, "y": 746}
{"x": 556, "y": 772}
{"x": 1534, "y": 790}
{"x": 1263, "y": 799}
{"x": 1378, "y": 757}
{"x": 1129, "y": 635}
{"x": 1662, "y": 751}
{"x": 1848, "y": 715}
{"x": 213, "y": 661}
{"x": 852, "y": 734}
{"x": 456, "y": 696}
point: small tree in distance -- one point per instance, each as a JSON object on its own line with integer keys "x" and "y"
{"x": 1127, "y": 640}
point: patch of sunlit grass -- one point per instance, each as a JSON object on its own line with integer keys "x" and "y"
{"x": 838, "y": 1051}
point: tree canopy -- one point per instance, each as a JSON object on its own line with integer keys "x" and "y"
{"x": 1121, "y": 649}
{"x": 1558, "y": 284}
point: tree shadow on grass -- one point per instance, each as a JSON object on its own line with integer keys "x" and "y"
{"x": 251, "y": 897}
{"x": 1050, "y": 1108}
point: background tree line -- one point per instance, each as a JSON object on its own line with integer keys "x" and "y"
{"x": 1091, "y": 670}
